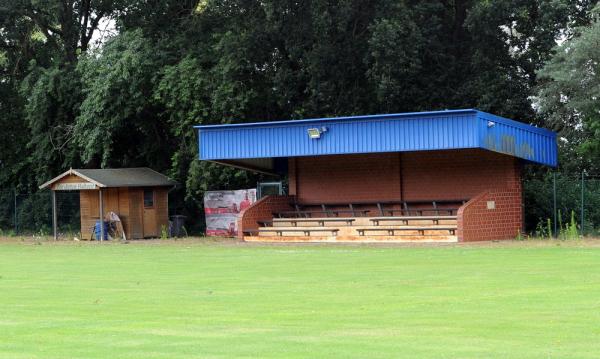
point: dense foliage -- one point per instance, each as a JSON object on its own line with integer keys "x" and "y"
{"x": 569, "y": 93}
{"x": 70, "y": 97}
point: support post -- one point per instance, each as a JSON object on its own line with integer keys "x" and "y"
{"x": 54, "y": 216}
{"x": 16, "y": 220}
{"x": 101, "y": 211}
{"x": 582, "y": 200}
{"x": 554, "y": 201}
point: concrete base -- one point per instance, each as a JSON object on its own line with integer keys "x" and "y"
{"x": 351, "y": 239}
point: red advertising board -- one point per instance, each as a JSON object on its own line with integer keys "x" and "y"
{"x": 222, "y": 209}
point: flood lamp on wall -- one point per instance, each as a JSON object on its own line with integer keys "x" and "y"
{"x": 315, "y": 133}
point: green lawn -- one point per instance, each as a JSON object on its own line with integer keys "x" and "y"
{"x": 220, "y": 300}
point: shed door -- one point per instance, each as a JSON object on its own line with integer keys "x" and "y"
{"x": 150, "y": 225}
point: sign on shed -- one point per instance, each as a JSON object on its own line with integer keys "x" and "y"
{"x": 74, "y": 186}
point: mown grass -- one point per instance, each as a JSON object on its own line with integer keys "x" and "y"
{"x": 215, "y": 300}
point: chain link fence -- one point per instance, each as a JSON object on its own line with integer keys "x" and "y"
{"x": 31, "y": 213}
{"x": 554, "y": 200}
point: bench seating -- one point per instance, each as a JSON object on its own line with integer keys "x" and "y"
{"x": 265, "y": 223}
{"x": 406, "y": 219}
{"x": 320, "y": 221}
{"x": 420, "y": 211}
{"x": 349, "y": 221}
{"x": 309, "y": 214}
{"x": 306, "y": 231}
{"x": 392, "y": 230}
{"x": 422, "y": 207}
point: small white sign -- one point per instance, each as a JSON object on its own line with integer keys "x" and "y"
{"x": 491, "y": 204}
{"x": 74, "y": 186}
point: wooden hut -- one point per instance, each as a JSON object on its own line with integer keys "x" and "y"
{"x": 139, "y": 196}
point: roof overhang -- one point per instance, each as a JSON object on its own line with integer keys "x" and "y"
{"x": 252, "y": 143}
{"x": 90, "y": 179}
{"x": 72, "y": 172}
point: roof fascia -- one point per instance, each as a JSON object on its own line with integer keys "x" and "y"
{"x": 330, "y": 119}
{"x": 67, "y": 173}
{"x": 244, "y": 167}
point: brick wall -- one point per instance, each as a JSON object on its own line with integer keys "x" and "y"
{"x": 262, "y": 210}
{"x": 496, "y": 213}
{"x": 501, "y": 220}
{"x": 331, "y": 179}
{"x": 457, "y": 174}
{"x": 410, "y": 176}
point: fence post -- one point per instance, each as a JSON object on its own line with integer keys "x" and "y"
{"x": 582, "y": 201}
{"x": 16, "y": 223}
{"x": 54, "y": 216}
{"x": 101, "y": 211}
{"x": 554, "y": 200}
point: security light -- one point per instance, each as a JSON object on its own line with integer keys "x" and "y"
{"x": 491, "y": 124}
{"x": 314, "y": 133}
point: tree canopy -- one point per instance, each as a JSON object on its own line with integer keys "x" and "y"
{"x": 569, "y": 93}
{"x": 69, "y": 100}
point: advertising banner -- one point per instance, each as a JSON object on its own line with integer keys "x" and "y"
{"x": 222, "y": 209}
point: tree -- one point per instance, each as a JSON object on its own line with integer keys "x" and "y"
{"x": 570, "y": 88}
{"x": 67, "y": 26}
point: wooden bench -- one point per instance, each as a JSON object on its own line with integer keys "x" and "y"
{"x": 408, "y": 207}
{"x": 419, "y": 211}
{"x": 405, "y": 219}
{"x": 309, "y": 214}
{"x": 354, "y": 208}
{"x": 392, "y": 230}
{"x": 307, "y": 231}
{"x": 320, "y": 221}
{"x": 265, "y": 223}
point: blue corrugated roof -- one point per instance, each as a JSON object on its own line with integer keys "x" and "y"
{"x": 415, "y": 131}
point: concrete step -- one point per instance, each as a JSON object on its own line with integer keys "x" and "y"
{"x": 297, "y": 231}
{"x": 366, "y": 221}
{"x": 352, "y": 239}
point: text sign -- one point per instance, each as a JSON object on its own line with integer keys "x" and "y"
{"x": 74, "y": 186}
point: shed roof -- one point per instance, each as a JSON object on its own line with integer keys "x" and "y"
{"x": 118, "y": 177}
{"x": 257, "y": 145}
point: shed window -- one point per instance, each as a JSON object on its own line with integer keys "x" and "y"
{"x": 148, "y": 198}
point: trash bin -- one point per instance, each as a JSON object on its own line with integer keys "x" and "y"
{"x": 97, "y": 230}
{"x": 178, "y": 229}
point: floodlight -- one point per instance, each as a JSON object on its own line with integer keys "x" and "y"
{"x": 314, "y": 133}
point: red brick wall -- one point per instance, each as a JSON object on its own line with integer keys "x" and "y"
{"x": 344, "y": 178}
{"x": 477, "y": 222}
{"x": 262, "y": 210}
{"x": 457, "y": 174}
{"x": 410, "y": 176}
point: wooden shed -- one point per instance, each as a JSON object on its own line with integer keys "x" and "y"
{"x": 139, "y": 196}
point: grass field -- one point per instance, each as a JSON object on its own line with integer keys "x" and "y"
{"x": 199, "y": 299}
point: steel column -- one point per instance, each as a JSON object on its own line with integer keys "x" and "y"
{"x": 582, "y": 200}
{"x": 554, "y": 200}
{"x": 54, "y": 216}
{"x": 16, "y": 220}
{"x": 101, "y": 205}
